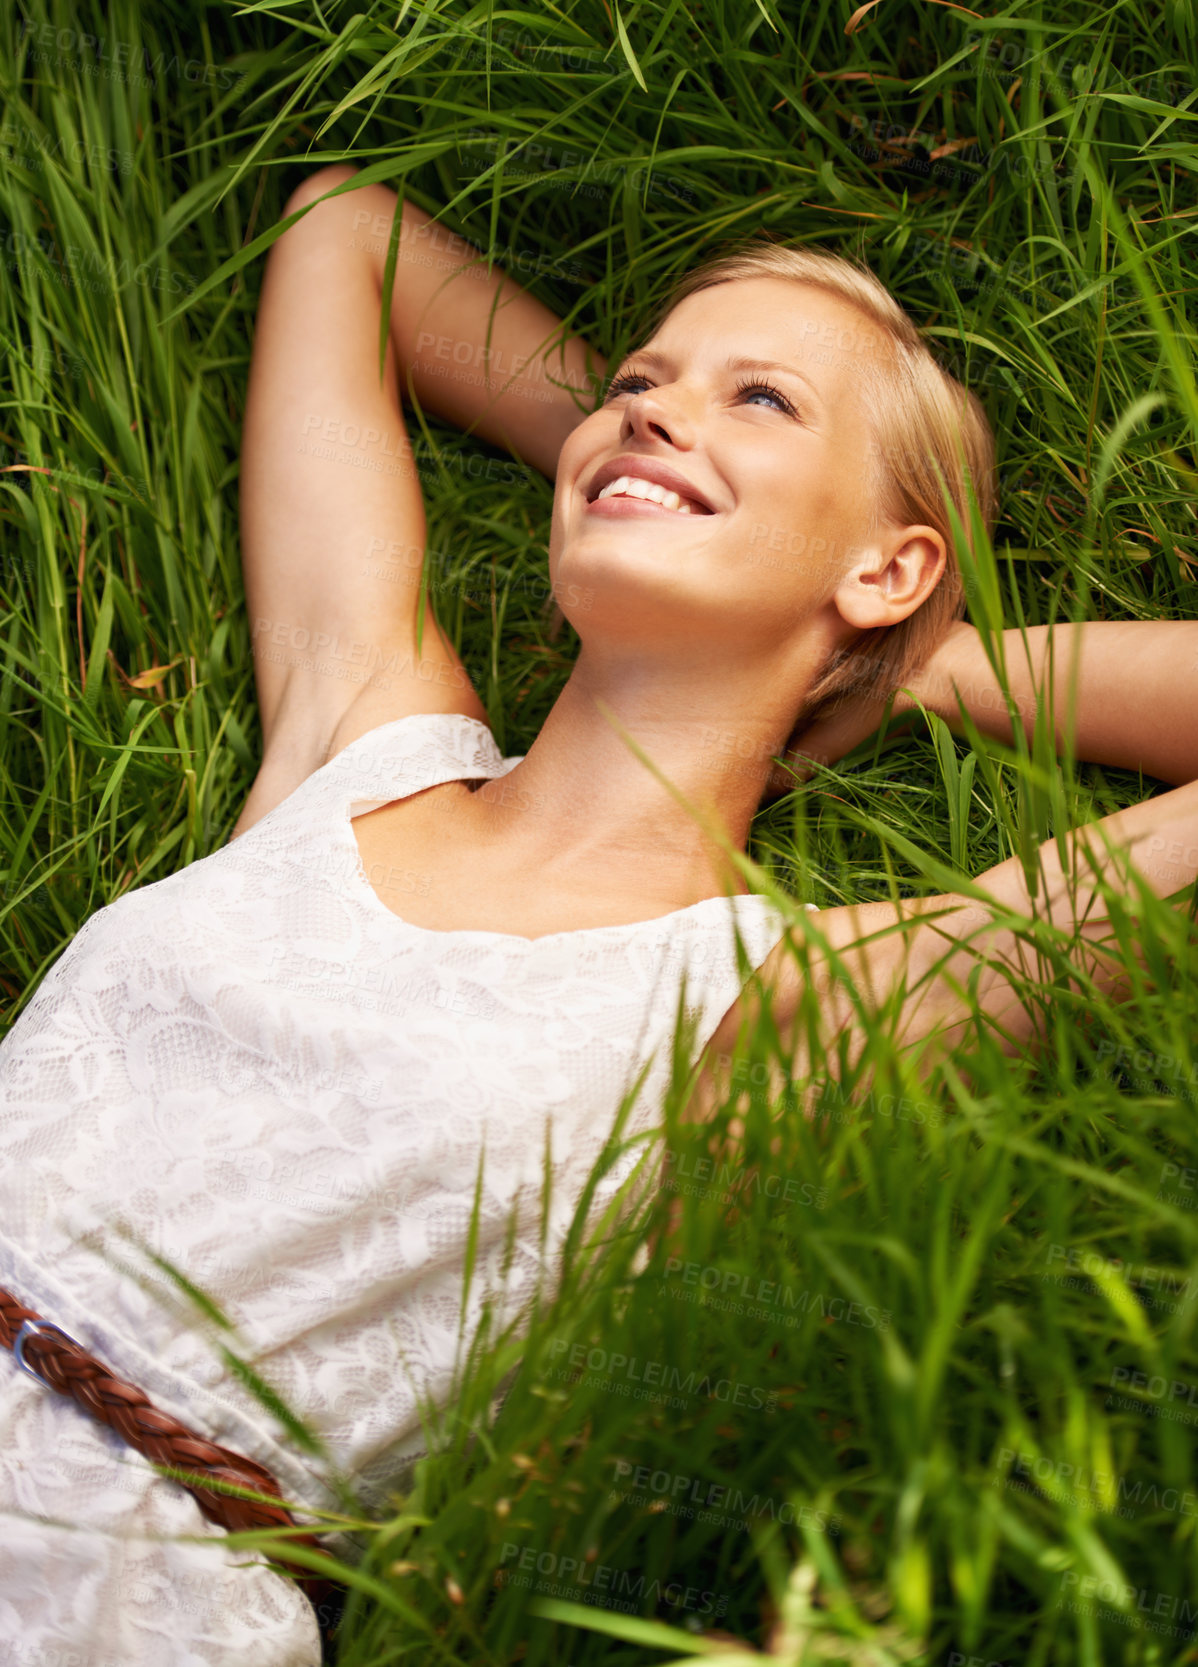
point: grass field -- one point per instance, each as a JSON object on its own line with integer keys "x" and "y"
{"x": 936, "y": 1403}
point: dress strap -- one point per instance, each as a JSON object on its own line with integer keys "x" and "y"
{"x": 395, "y": 759}
{"x": 408, "y": 754}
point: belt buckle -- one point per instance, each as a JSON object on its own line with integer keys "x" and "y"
{"x": 32, "y": 1328}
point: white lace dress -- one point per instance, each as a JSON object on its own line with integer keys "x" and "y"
{"x": 258, "y": 1071}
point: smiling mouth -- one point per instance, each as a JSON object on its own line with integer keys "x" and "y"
{"x": 631, "y": 487}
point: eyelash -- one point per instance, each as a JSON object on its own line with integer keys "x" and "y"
{"x": 620, "y": 384}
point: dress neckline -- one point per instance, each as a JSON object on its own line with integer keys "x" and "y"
{"x": 752, "y": 899}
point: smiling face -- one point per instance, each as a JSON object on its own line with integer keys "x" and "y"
{"x": 720, "y": 494}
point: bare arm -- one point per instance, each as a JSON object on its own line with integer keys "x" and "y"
{"x": 1133, "y": 691}
{"x": 925, "y": 965}
{"x": 1136, "y": 694}
{"x": 1136, "y": 689}
{"x": 332, "y": 513}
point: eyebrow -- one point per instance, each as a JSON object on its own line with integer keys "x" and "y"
{"x": 658, "y": 360}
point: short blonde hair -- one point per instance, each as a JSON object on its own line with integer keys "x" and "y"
{"x": 922, "y": 419}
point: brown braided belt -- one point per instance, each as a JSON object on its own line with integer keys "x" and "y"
{"x": 47, "y": 1353}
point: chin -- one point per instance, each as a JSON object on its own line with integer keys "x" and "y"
{"x": 633, "y": 573}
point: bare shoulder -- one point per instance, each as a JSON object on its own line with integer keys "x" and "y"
{"x": 823, "y": 948}
{"x": 931, "y": 966}
{"x": 909, "y": 960}
{"x": 936, "y": 968}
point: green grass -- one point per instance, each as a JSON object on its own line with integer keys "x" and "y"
{"x": 1051, "y": 259}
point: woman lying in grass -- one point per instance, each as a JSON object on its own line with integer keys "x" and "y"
{"x": 295, "y": 1070}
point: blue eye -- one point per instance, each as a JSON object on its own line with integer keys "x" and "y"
{"x": 622, "y": 384}
{"x": 631, "y": 382}
{"x": 767, "y": 388}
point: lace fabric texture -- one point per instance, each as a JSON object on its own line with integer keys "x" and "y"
{"x": 257, "y": 1071}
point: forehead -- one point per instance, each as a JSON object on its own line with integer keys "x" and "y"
{"x": 772, "y": 318}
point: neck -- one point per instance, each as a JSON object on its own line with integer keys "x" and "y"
{"x": 582, "y": 804}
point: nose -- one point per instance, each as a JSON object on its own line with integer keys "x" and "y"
{"x": 659, "y": 414}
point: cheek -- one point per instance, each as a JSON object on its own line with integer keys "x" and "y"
{"x": 588, "y": 443}
{"x": 808, "y": 509}
{"x": 573, "y": 450}
{"x": 556, "y": 526}
{"x": 584, "y": 449}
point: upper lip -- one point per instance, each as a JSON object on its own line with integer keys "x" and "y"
{"x": 646, "y": 468}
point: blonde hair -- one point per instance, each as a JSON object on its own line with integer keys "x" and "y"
{"x": 923, "y": 419}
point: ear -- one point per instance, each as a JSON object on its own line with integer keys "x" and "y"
{"x": 893, "y": 577}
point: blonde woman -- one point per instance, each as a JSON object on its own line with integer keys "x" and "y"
{"x": 282, "y": 1069}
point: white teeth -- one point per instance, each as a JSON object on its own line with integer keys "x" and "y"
{"x": 632, "y": 486}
